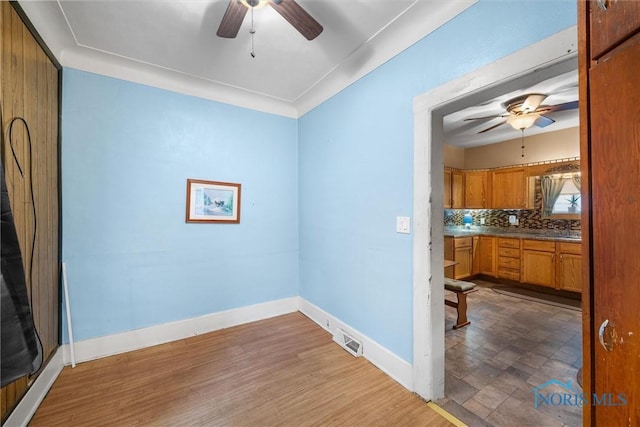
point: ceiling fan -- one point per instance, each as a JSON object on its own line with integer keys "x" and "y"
{"x": 288, "y": 9}
{"x": 525, "y": 111}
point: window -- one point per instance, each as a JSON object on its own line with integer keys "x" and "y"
{"x": 569, "y": 201}
{"x": 561, "y": 195}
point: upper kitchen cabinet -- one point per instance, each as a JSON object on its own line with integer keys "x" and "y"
{"x": 453, "y": 189}
{"x": 475, "y": 189}
{"x": 509, "y": 189}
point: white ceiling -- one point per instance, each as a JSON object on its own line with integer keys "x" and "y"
{"x": 173, "y": 45}
{"x": 560, "y": 89}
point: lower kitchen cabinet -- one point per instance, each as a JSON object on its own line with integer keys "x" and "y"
{"x": 508, "y": 259}
{"x": 459, "y": 249}
{"x": 554, "y": 264}
{"x": 569, "y": 268}
{"x": 486, "y": 254}
{"x": 539, "y": 262}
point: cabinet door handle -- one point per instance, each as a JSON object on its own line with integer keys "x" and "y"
{"x": 605, "y": 341}
{"x": 604, "y": 4}
{"x": 561, "y": 255}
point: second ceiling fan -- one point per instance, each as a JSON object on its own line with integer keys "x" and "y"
{"x": 525, "y": 111}
{"x": 288, "y": 9}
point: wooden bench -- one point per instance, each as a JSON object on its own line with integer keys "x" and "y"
{"x": 461, "y": 289}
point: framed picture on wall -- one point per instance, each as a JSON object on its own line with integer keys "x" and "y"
{"x": 213, "y": 201}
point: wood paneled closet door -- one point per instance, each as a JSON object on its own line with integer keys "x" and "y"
{"x": 29, "y": 83}
{"x": 610, "y": 143}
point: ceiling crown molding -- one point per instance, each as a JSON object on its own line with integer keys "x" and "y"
{"x": 417, "y": 21}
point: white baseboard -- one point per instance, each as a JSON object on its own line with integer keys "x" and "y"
{"x": 27, "y": 406}
{"x": 109, "y": 345}
{"x": 388, "y": 362}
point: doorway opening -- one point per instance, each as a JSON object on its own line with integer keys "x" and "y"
{"x": 550, "y": 57}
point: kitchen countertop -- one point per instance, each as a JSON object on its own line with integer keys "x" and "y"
{"x": 515, "y": 233}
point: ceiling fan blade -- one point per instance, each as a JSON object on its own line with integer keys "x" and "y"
{"x": 543, "y": 121}
{"x": 298, "y": 17}
{"x": 232, "y": 20}
{"x": 493, "y": 127}
{"x": 495, "y": 116}
{"x": 532, "y": 102}
{"x": 562, "y": 107}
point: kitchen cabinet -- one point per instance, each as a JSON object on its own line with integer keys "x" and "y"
{"x": 453, "y": 189}
{"x": 457, "y": 189}
{"x": 509, "y": 189}
{"x": 554, "y": 264}
{"x": 475, "y": 189}
{"x": 569, "y": 267}
{"x": 446, "y": 199}
{"x": 475, "y": 257}
{"x": 486, "y": 255}
{"x": 539, "y": 262}
{"x": 459, "y": 249}
{"x": 508, "y": 259}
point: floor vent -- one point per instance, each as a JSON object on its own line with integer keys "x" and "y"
{"x": 347, "y": 342}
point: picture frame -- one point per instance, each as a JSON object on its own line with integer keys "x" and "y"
{"x": 213, "y": 201}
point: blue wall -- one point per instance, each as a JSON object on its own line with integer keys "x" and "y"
{"x": 356, "y": 166}
{"x": 330, "y": 184}
{"x": 127, "y": 151}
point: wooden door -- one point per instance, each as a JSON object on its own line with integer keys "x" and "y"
{"x": 614, "y": 127}
{"x": 612, "y": 24}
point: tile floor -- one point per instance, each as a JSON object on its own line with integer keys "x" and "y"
{"x": 511, "y": 346}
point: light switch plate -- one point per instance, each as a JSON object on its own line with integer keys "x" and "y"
{"x": 403, "y": 224}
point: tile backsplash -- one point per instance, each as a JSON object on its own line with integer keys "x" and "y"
{"x": 529, "y": 219}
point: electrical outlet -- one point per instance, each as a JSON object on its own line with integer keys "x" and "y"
{"x": 481, "y": 221}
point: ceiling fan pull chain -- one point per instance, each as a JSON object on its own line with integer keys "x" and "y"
{"x": 522, "y": 146}
{"x": 252, "y": 30}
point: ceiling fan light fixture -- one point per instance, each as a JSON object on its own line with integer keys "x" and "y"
{"x": 523, "y": 121}
{"x": 253, "y": 4}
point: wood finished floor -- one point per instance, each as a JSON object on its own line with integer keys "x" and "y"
{"x": 281, "y": 371}
{"x": 511, "y": 346}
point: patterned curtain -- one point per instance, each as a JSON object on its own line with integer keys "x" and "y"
{"x": 551, "y": 189}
